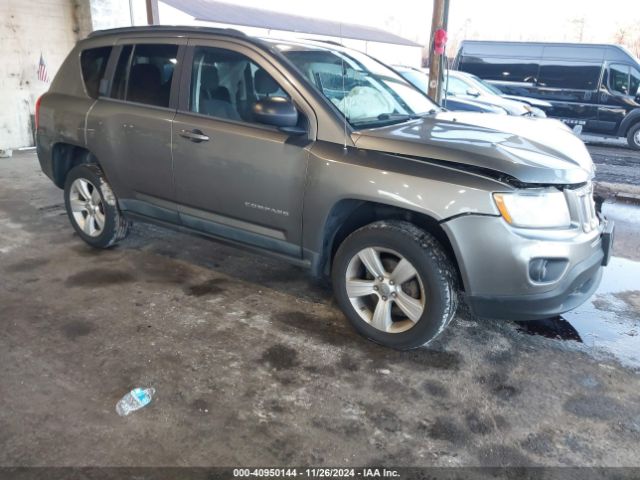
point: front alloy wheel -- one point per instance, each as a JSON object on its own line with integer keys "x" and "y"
{"x": 385, "y": 289}
{"x": 395, "y": 283}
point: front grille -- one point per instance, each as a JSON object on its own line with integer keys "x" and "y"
{"x": 583, "y": 207}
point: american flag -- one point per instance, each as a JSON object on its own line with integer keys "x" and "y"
{"x": 43, "y": 75}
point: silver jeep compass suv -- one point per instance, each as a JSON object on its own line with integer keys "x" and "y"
{"x": 327, "y": 158}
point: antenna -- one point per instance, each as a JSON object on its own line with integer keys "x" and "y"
{"x": 344, "y": 97}
{"x": 446, "y": 84}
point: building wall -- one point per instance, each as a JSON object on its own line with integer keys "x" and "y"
{"x": 28, "y": 29}
{"x": 50, "y": 27}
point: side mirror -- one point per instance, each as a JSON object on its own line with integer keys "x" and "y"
{"x": 473, "y": 92}
{"x": 277, "y": 111}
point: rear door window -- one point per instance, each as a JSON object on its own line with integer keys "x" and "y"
{"x": 570, "y": 75}
{"x": 122, "y": 70}
{"x": 144, "y": 74}
{"x": 93, "y": 63}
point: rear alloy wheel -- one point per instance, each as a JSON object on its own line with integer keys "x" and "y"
{"x": 92, "y": 208}
{"x": 395, "y": 284}
{"x": 633, "y": 137}
{"x": 87, "y": 207}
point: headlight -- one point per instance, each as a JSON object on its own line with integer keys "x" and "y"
{"x": 537, "y": 209}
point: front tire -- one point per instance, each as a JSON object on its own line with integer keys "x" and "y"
{"x": 395, "y": 283}
{"x": 633, "y": 137}
{"x": 92, "y": 207}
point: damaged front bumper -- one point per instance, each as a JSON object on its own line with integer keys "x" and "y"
{"x": 517, "y": 274}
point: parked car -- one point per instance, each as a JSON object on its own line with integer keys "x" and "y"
{"x": 483, "y": 87}
{"x": 460, "y": 86}
{"x": 421, "y": 81}
{"x": 324, "y": 157}
{"x": 462, "y": 105}
{"x": 593, "y": 87}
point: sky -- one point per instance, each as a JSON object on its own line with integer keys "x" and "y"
{"x": 546, "y": 20}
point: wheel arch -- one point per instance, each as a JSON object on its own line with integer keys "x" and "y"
{"x": 65, "y": 156}
{"x": 348, "y": 215}
{"x": 633, "y": 139}
{"x": 630, "y": 121}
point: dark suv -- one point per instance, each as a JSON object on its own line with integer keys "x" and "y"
{"x": 326, "y": 158}
{"x": 592, "y": 87}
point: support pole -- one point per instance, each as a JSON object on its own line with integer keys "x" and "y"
{"x": 152, "y": 12}
{"x": 439, "y": 20}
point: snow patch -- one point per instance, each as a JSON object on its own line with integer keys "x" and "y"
{"x": 107, "y": 193}
{"x": 12, "y": 235}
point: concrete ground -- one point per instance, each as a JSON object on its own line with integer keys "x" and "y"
{"x": 254, "y": 365}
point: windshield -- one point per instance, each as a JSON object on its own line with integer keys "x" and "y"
{"x": 417, "y": 79}
{"x": 365, "y": 91}
{"x": 487, "y": 87}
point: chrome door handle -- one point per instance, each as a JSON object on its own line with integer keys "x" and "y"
{"x": 194, "y": 135}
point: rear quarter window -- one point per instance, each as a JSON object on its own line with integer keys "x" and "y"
{"x": 93, "y": 63}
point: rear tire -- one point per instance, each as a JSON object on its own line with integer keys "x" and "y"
{"x": 92, "y": 207}
{"x": 633, "y": 137}
{"x": 395, "y": 283}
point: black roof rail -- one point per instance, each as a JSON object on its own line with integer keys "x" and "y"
{"x": 167, "y": 29}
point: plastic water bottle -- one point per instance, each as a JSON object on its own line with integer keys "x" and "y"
{"x": 134, "y": 400}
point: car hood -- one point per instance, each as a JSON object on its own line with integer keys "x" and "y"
{"x": 464, "y": 104}
{"x": 531, "y": 101}
{"x": 532, "y": 150}
{"x": 512, "y": 106}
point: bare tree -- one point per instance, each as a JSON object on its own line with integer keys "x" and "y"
{"x": 636, "y": 46}
{"x": 629, "y": 36}
{"x": 579, "y": 23}
{"x": 621, "y": 35}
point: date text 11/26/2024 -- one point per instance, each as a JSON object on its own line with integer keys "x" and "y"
{"x": 315, "y": 473}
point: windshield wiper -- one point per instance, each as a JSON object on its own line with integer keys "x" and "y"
{"x": 385, "y": 119}
{"x": 415, "y": 116}
{"x": 400, "y": 117}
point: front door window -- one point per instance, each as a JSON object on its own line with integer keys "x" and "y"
{"x": 619, "y": 79}
{"x": 634, "y": 82}
{"x": 226, "y": 84}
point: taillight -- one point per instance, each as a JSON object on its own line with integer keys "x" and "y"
{"x": 38, "y": 112}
